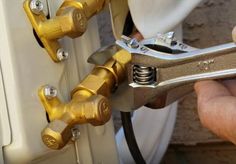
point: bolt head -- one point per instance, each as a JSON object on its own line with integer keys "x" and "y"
{"x": 166, "y": 38}
{"x": 50, "y": 92}
{"x": 36, "y": 6}
{"x": 133, "y": 43}
{"x": 75, "y": 133}
{"x": 62, "y": 54}
{"x": 170, "y": 35}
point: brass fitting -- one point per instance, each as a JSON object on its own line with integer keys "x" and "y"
{"x": 70, "y": 20}
{"x": 89, "y": 103}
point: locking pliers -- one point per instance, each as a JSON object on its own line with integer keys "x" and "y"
{"x": 163, "y": 69}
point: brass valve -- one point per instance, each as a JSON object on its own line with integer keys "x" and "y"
{"x": 89, "y": 103}
{"x": 70, "y": 20}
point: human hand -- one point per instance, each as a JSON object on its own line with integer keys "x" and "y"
{"x": 217, "y": 105}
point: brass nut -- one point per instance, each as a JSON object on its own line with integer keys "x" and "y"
{"x": 73, "y": 22}
{"x": 94, "y": 84}
{"x": 80, "y": 23}
{"x": 56, "y": 135}
{"x": 97, "y": 110}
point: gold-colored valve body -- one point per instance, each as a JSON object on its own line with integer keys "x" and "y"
{"x": 89, "y": 103}
{"x": 70, "y": 20}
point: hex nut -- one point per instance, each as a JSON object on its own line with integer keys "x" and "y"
{"x": 95, "y": 85}
{"x": 98, "y": 110}
{"x": 56, "y": 135}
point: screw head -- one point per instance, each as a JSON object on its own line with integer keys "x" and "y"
{"x": 166, "y": 38}
{"x": 50, "y": 92}
{"x": 133, "y": 43}
{"x": 36, "y": 6}
{"x": 75, "y": 133}
{"x": 62, "y": 54}
{"x": 170, "y": 35}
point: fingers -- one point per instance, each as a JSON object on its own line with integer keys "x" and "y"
{"x": 210, "y": 89}
{"x": 138, "y": 36}
{"x": 217, "y": 108}
{"x": 230, "y": 85}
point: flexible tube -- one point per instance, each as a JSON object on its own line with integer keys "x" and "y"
{"x": 126, "y": 116}
{"x": 130, "y": 138}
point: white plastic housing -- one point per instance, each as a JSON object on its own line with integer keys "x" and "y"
{"x": 153, "y": 16}
{"x": 25, "y": 66}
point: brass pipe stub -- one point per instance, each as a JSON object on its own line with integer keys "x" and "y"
{"x": 89, "y": 103}
{"x": 70, "y": 20}
{"x": 83, "y": 108}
